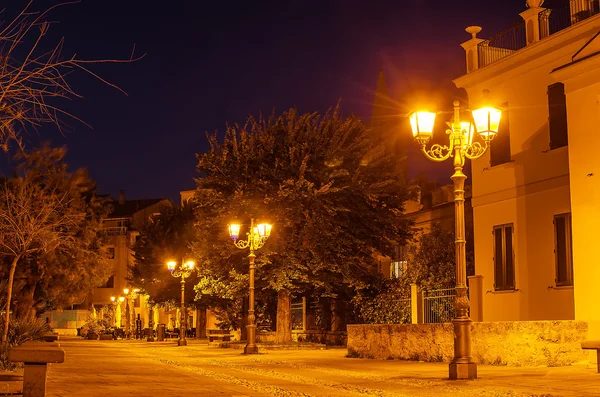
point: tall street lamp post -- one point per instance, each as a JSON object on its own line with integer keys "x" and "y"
{"x": 256, "y": 239}
{"x": 183, "y": 271}
{"x": 114, "y": 307}
{"x": 461, "y": 147}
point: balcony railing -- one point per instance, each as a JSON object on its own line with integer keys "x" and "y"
{"x": 502, "y": 44}
{"x": 550, "y": 21}
{"x": 115, "y": 231}
{"x": 557, "y": 19}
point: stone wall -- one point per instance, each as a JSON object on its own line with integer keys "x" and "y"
{"x": 514, "y": 343}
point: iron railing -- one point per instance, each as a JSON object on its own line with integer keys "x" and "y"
{"x": 115, "y": 231}
{"x": 438, "y": 305}
{"x": 502, "y": 44}
{"x": 554, "y": 20}
{"x": 297, "y": 315}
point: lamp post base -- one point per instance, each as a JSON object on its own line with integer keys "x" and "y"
{"x": 462, "y": 371}
{"x": 251, "y": 349}
{"x": 182, "y": 342}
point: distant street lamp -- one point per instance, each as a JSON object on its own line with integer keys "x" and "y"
{"x": 462, "y": 147}
{"x": 184, "y": 271}
{"x": 256, "y": 239}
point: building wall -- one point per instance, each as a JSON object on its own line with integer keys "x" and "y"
{"x": 533, "y": 187}
{"x": 582, "y": 83}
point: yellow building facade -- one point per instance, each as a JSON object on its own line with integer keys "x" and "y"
{"x": 533, "y": 198}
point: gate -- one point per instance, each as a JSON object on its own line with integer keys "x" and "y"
{"x": 438, "y": 305}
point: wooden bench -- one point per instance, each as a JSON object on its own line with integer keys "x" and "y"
{"x": 219, "y": 334}
{"x": 592, "y": 345}
{"x": 172, "y": 334}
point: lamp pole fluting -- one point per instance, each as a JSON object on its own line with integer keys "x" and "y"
{"x": 461, "y": 147}
{"x": 184, "y": 271}
{"x": 256, "y": 239}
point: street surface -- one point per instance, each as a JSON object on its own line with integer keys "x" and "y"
{"x": 139, "y": 368}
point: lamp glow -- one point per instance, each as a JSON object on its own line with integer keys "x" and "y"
{"x": 421, "y": 124}
{"x": 190, "y": 264}
{"x": 263, "y": 229}
{"x": 121, "y": 299}
{"x": 487, "y": 122}
{"x": 234, "y": 230}
{"x": 112, "y": 299}
{"x": 171, "y": 266}
{"x": 467, "y": 131}
{"x": 125, "y": 291}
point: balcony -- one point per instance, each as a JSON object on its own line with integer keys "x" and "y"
{"x": 550, "y": 21}
{"x": 115, "y": 231}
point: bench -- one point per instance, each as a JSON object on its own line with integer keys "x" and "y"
{"x": 172, "y": 334}
{"x": 592, "y": 345}
{"x": 219, "y": 334}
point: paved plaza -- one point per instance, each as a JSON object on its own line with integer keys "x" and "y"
{"x": 136, "y": 368}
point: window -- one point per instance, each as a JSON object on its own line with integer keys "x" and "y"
{"x": 500, "y": 146}
{"x": 563, "y": 250}
{"x": 557, "y": 116}
{"x": 110, "y": 253}
{"x": 398, "y": 268}
{"x": 110, "y": 283}
{"x": 137, "y": 301}
{"x": 504, "y": 258}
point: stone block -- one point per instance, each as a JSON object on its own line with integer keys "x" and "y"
{"x": 37, "y": 353}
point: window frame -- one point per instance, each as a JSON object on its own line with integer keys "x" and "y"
{"x": 568, "y": 250}
{"x": 499, "y": 158}
{"x": 558, "y": 124}
{"x": 505, "y": 286}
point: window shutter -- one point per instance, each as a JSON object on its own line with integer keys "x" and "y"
{"x": 500, "y": 146}
{"x": 557, "y": 116}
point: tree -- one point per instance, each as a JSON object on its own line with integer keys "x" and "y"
{"x": 35, "y": 77}
{"x": 49, "y": 225}
{"x": 330, "y": 190}
{"x": 167, "y": 237}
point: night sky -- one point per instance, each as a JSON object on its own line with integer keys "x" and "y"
{"x": 208, "y": 63}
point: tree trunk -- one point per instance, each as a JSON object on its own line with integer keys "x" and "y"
{"x": 11, "y": 277}
{"x": 283, "y": 332}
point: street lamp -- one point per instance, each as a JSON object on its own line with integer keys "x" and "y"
{"x": 184, "y": 271}
{"x": 256, "y": 238}
{"x": 462, "y": 147}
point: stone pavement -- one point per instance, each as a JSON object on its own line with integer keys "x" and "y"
{"x": 136, "y": 368}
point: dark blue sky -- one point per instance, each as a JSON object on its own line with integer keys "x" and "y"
{"x": 208, "y": 63}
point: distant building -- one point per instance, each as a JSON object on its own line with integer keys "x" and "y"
{"x": 536, "y": 191}
{"x": 122, "y": 226}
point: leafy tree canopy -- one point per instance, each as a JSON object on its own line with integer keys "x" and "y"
{"x": 331, "y": 192}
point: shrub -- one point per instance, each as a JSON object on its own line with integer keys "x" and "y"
{"x": 21, "y": 331}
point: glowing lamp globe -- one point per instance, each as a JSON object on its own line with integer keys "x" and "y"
{"x": 487, "y": 122}
{"x": 113, "y": 299}
{"x": 136, "y": 290}
{"x": 121, "y": 299}
{"x": 234, "y": 230}
{"x": 125, "y": 291}
{"x": 467, "y": 131}
{"x": 263, "y": 230}
{"x": 171, "y": 265}
{"x": 421, "y": 124}
{"x": 190, "y": 264}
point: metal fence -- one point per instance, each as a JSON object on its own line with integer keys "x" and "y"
{"x": 556, "y": 19}
{"x": 502, "y": 44}
{"x": 297, "y": 309}
{"x": 438, "y": 305}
